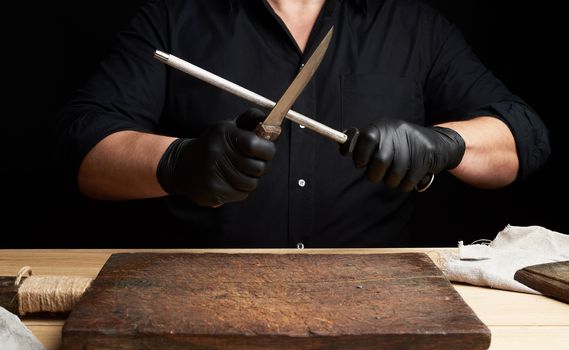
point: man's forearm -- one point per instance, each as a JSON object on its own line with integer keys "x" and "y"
{"x": 490, "y": 159}
{"x": 123, "y": 166}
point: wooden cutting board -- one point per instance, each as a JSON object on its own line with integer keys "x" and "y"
{"x": 267, "y": 301}
{"x": 549, "y": 279}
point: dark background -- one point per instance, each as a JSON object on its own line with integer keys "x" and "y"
{"x": 53, "y": 48}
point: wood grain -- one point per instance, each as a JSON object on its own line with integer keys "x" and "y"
{"x": 260, "y": 301}
{"x": 549, "y": 279}
{"x": 529, "y": 338}
{"x": 503, "y": 308}
{"x": 48, "y": 332}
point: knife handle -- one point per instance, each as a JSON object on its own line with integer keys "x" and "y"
{"x": 268, "y": 132}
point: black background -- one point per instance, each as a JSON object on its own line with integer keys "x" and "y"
{"x": 50, "y": 51}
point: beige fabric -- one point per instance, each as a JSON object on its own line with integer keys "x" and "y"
{"x": 494, "y": 263}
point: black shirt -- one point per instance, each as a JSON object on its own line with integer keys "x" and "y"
{"x": 393, "y": 58}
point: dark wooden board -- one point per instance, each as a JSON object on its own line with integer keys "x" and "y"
{"x": 266, "y": 301}
{"x": 9, "y": 294}
{"x": 549, "y": 279}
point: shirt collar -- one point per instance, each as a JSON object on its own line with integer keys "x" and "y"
{"x": 362, "y": 4}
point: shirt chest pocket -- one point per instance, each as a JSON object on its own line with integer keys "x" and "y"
{"x": 369, "y": 97}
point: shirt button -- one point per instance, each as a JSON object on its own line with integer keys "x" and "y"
{"x": 301, "y": 183}
{"x": 300, "y": 245}
{"x": 301, "y": 126}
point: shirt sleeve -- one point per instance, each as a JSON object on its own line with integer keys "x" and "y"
{"x": 460, "y": 87}
{"x": 127, "y": 91}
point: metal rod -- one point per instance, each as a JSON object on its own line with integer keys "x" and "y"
{"x": 248, "y": 95}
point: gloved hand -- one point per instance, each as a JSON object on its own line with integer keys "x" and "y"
{"x": 223, "y": 165}
{"x": 402, "y": 154}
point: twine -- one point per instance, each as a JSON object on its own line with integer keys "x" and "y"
{"x": 48, "y": 293}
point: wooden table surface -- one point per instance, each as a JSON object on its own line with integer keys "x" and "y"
{"x": 517, "y": 321}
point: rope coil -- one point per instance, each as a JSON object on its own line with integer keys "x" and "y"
{"x": 48, "y": 293}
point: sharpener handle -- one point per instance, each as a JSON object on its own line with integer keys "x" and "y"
{"x": 347, "y": 148}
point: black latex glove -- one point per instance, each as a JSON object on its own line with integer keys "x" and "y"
{"x": 402, "y": 154}
{"x": 223, "y": 165}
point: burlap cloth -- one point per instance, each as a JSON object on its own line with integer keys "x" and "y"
{"x": 493, "y": 263}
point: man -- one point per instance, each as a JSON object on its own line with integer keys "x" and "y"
{"x": 396, "y": 69}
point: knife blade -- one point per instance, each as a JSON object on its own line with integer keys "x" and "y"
{"x": 270, "y": 128}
